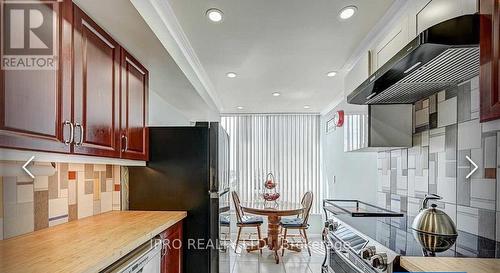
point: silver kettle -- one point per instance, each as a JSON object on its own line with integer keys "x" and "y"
{"x": 433, "y": 228}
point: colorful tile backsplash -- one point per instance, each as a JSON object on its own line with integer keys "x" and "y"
{"x": 446, "y": 130}
{"x": 73, "y": 192}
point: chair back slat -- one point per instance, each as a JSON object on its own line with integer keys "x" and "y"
{"x": 307, "y": 201}
{"x": 237, "y": 206}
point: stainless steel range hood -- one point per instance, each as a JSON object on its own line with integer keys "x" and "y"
{"x": 442, "y": 55}
{"x": 382, "y": 128}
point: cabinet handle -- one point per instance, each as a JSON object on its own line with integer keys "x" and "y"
{"x": 124, "y": 137}
{"x": 78, "y": 125}
{"x": 71, "y": 132}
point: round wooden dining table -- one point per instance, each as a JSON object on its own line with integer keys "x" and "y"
{"x": 274, "y": 211}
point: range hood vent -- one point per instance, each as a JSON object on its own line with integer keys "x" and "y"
{"x": 442, "y": 55}
{"x": 384, "y": 127}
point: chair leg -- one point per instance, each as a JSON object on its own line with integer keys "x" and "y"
{"x": 237, "y": 239}
{"x": 307, "y": 242}
{"x": 260, "y": 238}
{"x": 283, "y": 245}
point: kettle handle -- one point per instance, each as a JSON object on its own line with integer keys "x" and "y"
{"x": 429, "y": 197}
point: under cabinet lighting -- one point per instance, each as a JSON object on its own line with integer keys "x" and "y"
{"x": 412, "y": 67}
{"x": 371, "y": 96}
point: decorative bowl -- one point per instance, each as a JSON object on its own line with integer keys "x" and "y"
{"x": 271, "y": 196}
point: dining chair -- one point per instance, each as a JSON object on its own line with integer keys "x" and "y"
{"x": 225, "y": 231}
{"x": 299, "y": 223}
{"x": 243, "y": 220}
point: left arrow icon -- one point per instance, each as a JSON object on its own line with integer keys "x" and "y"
{"x": 26, "y": 165}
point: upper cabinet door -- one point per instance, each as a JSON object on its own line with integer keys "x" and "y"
{"x": 359, "y": 72}
{"x": 437, "y": 11}
{"x": 426, "y": 13}
{"x": 489, "y": 55}
{"x": 134, "y": 108}
{"x": 391, "y": 44}
{"x": 32, "y": 115}
{"x": 96, "y": 89}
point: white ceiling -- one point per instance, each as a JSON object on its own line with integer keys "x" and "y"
{"x": 122, "y": 21}
{"x": 280, "y": 45}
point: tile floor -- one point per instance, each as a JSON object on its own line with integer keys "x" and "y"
{"x": 291, "y": 262}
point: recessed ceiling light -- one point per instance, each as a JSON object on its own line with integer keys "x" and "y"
{"x": 239, "y": 107}
{"x": 231, "y": 75}
{"x": 214, "y": 15}
{"x": 276, "y": 94}
{"x": 347, "y": 12}
{"x": 307, "y": 107}
{"x": 331, "y": 74}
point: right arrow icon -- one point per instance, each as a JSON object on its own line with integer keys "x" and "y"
{"x": 473, "y": 170}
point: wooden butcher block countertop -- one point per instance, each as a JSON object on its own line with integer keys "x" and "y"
{"x": 87, "y": 245}
{"x": 442, "y": 264}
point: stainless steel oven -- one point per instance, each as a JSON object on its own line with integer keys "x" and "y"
{"x": 349, "y": 250}
{"x": 343, "y": 251}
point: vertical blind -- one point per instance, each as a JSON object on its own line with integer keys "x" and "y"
{"x": 286, "y": 145}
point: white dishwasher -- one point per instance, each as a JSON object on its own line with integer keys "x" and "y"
{"x": 144, "y": 259}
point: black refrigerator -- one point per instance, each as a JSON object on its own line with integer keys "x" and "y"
{"x": 188, "y": 169}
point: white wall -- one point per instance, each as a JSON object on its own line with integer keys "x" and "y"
{"x": 355, "y": 172}
{"x": 161, "y": 113}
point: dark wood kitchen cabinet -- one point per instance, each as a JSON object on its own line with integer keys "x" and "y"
{"x": 95, "y": 103}
{"x": 134, "y": 133}
{"x": 96, "y": 89}
{"x": 171, "y": 261}
{"x": 489, "y": 59}
{"x": 35, "y": 105}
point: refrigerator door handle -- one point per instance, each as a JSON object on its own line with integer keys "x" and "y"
{"x": 213, "y": 195}
{"x": 225, "y": 191}
{"x": 213, "y": 186}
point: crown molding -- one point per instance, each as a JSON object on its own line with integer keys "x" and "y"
{"x": 160, "y": 17}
